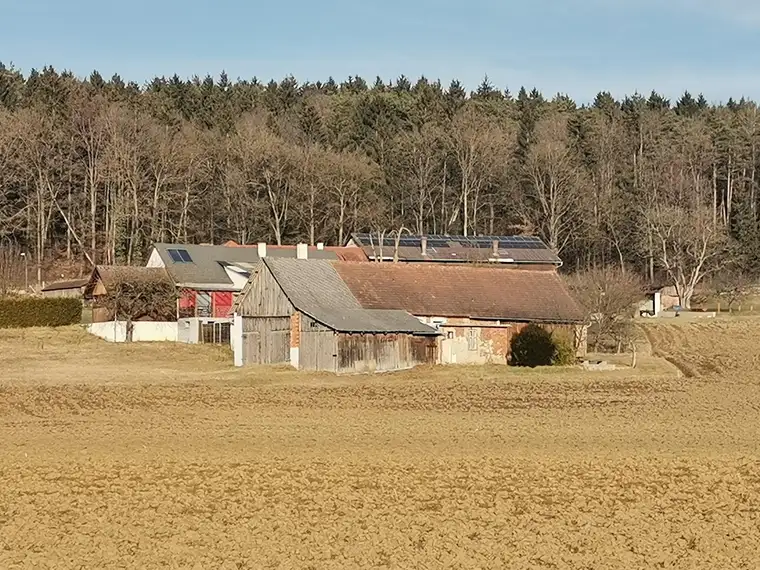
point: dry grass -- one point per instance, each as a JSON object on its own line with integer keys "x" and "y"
{"x": 164, "y": 456}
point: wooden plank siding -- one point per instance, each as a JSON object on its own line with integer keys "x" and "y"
{"x": 274, "y": 331}
{"x": 266, "y": 340}
{"x": 265, "y": 298}
{"x": 65, "y": 293}
{"x": 383, "y": 352}
{"x": 318, "y": 346}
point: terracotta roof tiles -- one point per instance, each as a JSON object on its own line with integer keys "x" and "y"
{"x": 446, "y": 290}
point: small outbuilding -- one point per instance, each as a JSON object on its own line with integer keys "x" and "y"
{"x": 300, "y": 312}
{"x": 104, "y": 277}
{"x": 73, "y": 288}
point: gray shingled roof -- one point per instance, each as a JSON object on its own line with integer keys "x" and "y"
{"x": 206, "y": 269}
{"x": 315, "y": 288}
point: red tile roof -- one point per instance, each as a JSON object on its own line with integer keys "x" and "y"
{"x": 445, "y": 290}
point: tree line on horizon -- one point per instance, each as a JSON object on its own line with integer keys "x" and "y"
{"x": 96, "y": 170}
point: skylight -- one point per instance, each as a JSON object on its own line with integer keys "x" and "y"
{"x": 180, "y": 256}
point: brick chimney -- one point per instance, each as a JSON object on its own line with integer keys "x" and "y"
{"x": 302, "y": 251}
{"x": 423, "y": 243}
{"x": 262, "y": 249}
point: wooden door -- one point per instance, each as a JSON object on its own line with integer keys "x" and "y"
{"x": 251, "y": 348}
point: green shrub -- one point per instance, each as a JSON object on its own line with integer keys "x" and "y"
{"x": 535, "y": 346}
{"x": 564, "y": 349}
{"x": 22, "y": 312}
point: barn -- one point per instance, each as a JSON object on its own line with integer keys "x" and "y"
{"x": 477, "y": 308}
{"x": 300, "y": 312}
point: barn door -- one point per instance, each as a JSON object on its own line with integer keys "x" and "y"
{"x": 275, "y": 347}
{"x": 251, "y": 348}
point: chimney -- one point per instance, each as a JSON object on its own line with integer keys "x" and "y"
{"x": 302, "y": 251}
{"x": 262, "y": 249}
{"x": 495, "y": 244}
{"x": 423, "y": 243}
{"x": 320, "y": 245}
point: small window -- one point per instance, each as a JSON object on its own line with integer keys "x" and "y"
{"x": 180, "y": 256}
{"x": 472, "y": 339}
{"x": 203, "y": 305}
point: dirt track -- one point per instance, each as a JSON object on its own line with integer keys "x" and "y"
{"x": 456, "y": 468}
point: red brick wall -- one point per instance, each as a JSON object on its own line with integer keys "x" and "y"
{"x": 295, "y": 330}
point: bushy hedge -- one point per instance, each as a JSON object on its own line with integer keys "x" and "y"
{"x": 22, "y": 312}
{"x": 535, "y": 346}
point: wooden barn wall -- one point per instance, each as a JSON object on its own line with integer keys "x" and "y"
{"x": 265, "y": 298}
{"x": 318, "y": 346}
{"x": 266, "y": 340}
{"x": 383, "y": 352}
{"x": 424, "y": 349}
{"x": 65, "y": 293}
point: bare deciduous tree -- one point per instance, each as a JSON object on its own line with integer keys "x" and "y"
{"x": 688, "y": 246}
{"x": 141, "y": 294}
{"x": 609, "y": 297}
{"x": 731, "y": 286}
{"x": 481, "y": 148}
{"x": 556, "y": 182}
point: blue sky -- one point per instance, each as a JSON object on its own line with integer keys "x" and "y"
{"x": 577, "y": 47}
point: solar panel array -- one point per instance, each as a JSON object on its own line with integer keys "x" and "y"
{"x": 444, "y": 241}
{"x": 180, "y": 256}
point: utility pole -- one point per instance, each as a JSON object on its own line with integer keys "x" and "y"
{"x": 26, "y": 272}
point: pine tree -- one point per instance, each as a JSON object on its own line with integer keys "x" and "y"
{"x": 311, "y": 125}
{"x": 606, "y": 103}
{"x": 11, "y": 87}
{"x": 330, "y": 86}
{"x": 657, "y": 102}
{"x": 687, "y": 106}
{"x": 96, "y": 80}
{"x": 455, "y": 97}
{"x": 403, "y": 85}
{"x": 224, "y": 82}
{"x": 486, "y": 91}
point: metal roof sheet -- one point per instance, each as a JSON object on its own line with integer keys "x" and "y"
{"x": 315, "y": 288}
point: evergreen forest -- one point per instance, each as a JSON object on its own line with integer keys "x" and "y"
{"x": 95, "y": 170}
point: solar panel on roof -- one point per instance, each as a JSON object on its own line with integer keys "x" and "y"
{"x": 443, "y": 241}
{"x": 180, "y": 256}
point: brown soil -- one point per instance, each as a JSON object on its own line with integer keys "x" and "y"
{"x": 165, "y": 456}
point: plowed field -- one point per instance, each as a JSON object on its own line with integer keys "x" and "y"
{"x": 167, "y": 457}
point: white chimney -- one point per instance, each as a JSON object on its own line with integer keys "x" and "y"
{"x": 423, "y": 243}
{"x": 320, "y": 245}
{"x": 302, "y": 251}
{"x": 495, "y": 244}
{"x": 262, "y": 249}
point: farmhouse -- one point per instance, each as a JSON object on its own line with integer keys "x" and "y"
{"x": 477, "y": 308}
{"x": 506, "y": 251}
{"x": 210, "y": 276}
{"x": 315, "y": 308}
